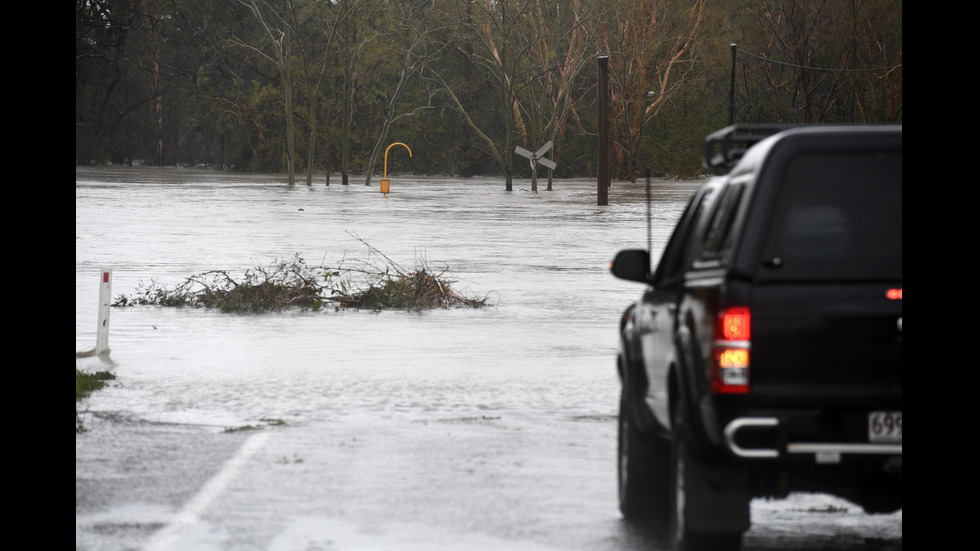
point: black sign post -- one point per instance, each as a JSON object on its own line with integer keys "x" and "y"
{"x": 603, "y": 179}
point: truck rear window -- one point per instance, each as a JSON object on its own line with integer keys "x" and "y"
{"x": 839, "y": 216}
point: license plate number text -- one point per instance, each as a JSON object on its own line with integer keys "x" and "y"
{"x": 885, "y": 426}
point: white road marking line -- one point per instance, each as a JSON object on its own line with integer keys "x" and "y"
{"x": 164, "y": 539}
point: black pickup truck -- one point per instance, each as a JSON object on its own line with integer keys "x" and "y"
{"x": 765, "y": 354}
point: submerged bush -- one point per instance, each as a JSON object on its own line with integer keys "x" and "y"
{"x": 294, "y": 284}
{"x": 418, "y": 290}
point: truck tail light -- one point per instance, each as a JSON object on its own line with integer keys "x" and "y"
{"x": 730, "y": 355}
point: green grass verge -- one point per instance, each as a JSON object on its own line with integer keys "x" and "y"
{"x": 85, "y": 383}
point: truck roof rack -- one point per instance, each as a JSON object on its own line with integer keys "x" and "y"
{"x": 723, "y": 148}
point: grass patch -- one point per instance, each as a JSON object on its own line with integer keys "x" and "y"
{"x": 376, "y": 284}
{"x": 86, "y": 383}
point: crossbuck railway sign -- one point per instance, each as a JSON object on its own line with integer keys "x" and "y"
{"x": 537, "y": 158}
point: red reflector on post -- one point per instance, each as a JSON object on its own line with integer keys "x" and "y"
{"x": 894, "y": 294}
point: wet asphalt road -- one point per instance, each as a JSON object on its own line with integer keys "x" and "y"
{"x": 477, "y": 482}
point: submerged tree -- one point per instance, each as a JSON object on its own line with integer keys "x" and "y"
{"x": 561, "y": 38}
{"x": 279, "y": 37}
{"x": 651, "y": 51}
{"x": 414, "y": 47}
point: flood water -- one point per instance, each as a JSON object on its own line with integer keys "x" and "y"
{"x": 540, "y": 259}
{"x": 477, "y": 429}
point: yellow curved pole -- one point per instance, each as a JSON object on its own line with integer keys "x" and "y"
{"x": 386, "y": 155}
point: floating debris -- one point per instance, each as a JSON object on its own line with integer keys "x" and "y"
{"x": 294, "y": 284}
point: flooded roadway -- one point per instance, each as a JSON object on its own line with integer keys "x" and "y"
{"x": 457, "y": 429}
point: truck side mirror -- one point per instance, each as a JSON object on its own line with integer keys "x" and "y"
{"x": 632, "y": 265}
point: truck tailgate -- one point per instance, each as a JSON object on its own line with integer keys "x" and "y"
{"x": 826, "y": 344}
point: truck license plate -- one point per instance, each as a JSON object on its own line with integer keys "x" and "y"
{"x": 885, "y": 426}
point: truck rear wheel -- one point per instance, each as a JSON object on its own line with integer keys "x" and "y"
{"x": 684, "y": 535}
{"x": 642, "y": 468}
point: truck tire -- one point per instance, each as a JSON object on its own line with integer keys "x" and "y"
{"x": 642, "y": 469}
{"x": 683, "y": 536}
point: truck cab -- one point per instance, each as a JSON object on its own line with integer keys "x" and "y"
{"x": 767, "y": 344}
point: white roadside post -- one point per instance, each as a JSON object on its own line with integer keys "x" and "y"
{"x": 105, "y": 296}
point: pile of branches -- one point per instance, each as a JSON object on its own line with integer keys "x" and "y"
{"x": 279, "y": 286}
{"x": 294, "y": 284}
{"x": 416, "y": 290}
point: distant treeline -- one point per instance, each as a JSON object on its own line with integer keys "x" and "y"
{"x": 319, "y": 87}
